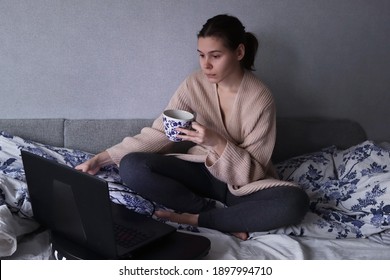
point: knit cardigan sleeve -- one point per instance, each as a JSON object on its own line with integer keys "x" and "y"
{"x": 151, "y": 139}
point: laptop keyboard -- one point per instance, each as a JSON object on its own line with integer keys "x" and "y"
{"x": 129, "y": 237}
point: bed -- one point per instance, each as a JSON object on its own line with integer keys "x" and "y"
{"x": 346, "y": 175}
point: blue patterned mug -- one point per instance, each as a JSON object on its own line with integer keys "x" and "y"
{"x": 176, "y": 118}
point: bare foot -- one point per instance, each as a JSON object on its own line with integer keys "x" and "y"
{"x": 241, "y": 235}
{"x": 190, "y": 219}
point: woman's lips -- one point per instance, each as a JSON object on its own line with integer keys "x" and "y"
{"x": 210, "y": 76}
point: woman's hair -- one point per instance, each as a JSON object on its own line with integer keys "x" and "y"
{"x": 232, "y": 32}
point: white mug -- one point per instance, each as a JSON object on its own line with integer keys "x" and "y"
{"x": 173, "y": 119}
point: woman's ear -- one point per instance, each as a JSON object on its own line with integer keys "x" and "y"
{"x": 240, "y": 52}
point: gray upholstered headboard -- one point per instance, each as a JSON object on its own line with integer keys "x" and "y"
{"x": 295, "y": 136}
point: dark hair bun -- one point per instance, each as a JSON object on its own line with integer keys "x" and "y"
{"x": 232, "y": 32}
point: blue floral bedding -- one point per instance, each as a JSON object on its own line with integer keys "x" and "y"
{"x": 349, "y": 189}
{"x": 11, "y": 167}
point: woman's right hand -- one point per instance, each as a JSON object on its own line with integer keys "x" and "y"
{"x": 93, "y": 165}
{"x": 90, "y": 166}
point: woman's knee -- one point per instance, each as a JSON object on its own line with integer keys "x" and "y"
{"x": 293, "y": 205}
{"x": 131, "y": 160}
{"x": 300, "y": 206}
{"x": 132, "y": 167}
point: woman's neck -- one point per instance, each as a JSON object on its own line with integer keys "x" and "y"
{"x": 232, "y": 84}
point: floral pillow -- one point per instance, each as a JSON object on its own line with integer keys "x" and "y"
{"x": 349, "y": 190}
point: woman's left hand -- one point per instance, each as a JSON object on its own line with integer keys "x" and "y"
{"x": 203, "y": 136}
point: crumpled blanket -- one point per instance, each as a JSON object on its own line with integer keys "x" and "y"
{"x": 12, "y": 227}
{"x": 8, "y": 238}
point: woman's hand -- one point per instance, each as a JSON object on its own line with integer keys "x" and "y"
{"x": 90, "y": 166}
{"x": 93, "y": 165}
{"x": 203, "y": 136}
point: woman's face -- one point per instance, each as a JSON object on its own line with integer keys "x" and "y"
{"x": 218, "y": 62}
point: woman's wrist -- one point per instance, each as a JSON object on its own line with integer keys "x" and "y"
{"x": 103, "y": 159}
{"x": 220, "y": 146}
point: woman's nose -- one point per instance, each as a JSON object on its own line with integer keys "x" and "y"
{"x": 207, "y": 64}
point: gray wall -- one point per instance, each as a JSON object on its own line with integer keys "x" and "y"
{"x": 124, "y": 59}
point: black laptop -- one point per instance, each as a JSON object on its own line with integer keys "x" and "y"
{"x": 76, "y": 207}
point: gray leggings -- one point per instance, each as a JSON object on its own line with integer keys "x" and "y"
{"x": 184, "y": 186}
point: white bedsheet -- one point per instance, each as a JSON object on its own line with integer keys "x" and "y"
{"x": 259, "y": 247}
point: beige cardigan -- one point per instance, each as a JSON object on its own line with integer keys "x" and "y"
{"x": 245, "y": 164}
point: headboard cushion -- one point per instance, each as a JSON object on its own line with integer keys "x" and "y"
{"x": 47, "y": 131}
{"x": 95, "y": 135}
{"x": 297, "y": 136}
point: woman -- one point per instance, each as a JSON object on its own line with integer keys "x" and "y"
{"x": 234, "y": 136}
